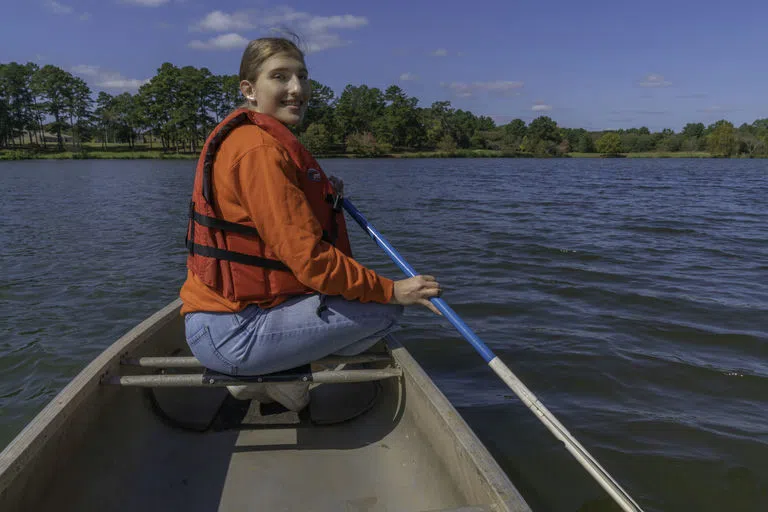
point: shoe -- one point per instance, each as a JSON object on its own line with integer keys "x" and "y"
{"x": 255, "y": 391}
{"x": 293, "y": 396}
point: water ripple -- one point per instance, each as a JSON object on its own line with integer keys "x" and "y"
{"x": 628, "y": 295}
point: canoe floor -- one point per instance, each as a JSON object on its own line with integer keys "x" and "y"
{"x": 140, "y": 463}
{"x": 102, "y": 447}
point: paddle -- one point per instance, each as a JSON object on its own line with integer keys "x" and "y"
{"x": 613, "y": 488}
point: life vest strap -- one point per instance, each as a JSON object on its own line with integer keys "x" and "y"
{"x": 224, "y": 225}
{"x": 213, "y": 147}
{"x": 236, "y": 257}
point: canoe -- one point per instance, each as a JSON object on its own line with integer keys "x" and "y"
{"x": 125, "y": 435}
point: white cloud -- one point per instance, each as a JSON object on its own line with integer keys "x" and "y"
{"x": 107, "y": 79}
{"x": 324, "y": 23}
{"x": 58, "y": 8}
{"x": 408, "y": 76}
{"x": 540, "y": 106}
{"x": 654, "y": 80}
{"x": 222, "y": 42}
{"x": 319, "y": 32}
{"x": 146, "y": 3}
{"x": 440, "y": 52}
{"x": 504, "y": 87}
{"x": 218, "y": 21}
{"x": 85, "y": 69}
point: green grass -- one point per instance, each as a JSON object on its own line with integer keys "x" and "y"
{"x": 670, "y": 154}
{"x": 96, "y": 152}
{"x": 459, "y": 153}
{"x": 143, "y": 151}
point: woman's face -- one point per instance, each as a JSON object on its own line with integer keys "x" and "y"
{"x": 282, "y": 88}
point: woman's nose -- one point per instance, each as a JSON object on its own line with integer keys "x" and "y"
{"x": 294, "y": 84}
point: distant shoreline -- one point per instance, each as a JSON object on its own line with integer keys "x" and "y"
{"x": 127, "y": 154}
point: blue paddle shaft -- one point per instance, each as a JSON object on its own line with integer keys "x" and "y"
{"x": 440, "y": 304}
{"x": 581, "y": 454}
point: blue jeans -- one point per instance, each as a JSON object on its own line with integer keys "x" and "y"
{"x": 258, "y": 341}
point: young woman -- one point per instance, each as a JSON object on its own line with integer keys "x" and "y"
{"x": 271, "y": 282}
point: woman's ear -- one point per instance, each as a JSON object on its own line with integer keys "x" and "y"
{"x": 247, "y": 89}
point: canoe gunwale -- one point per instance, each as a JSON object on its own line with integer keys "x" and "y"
{"x": 462, "y": 453}
{"x": 505, "y": 494}
{"x": 43, "y": 428}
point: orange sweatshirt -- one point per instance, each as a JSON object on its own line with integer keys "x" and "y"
{"x": 253, "y": 178}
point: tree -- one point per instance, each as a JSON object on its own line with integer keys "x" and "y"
{"x": 51, "y": 84}
{"x": 77, "y": 99}
{"x": 105, "y": 116}
{"x": 516, "y": 128}
{"x": 158, "y": 98}
{"x": 437, "y": 122}
{"x": 125, "y": 117}
{"x": 543, "y": 128}
{"x": 227, "y": 95}
{"x": 447, "y": 144}
{"x": 722, "y": 139}
{"x": 358, "y": 108}
{"x": 321, "y": 106}
{"x": 609, "y": 144}
{"x": 693, "y": 130}
{"x": 753, "y": 145}
{"x": 17, "y": 112}
{"x": 585, "y": 144}
{"x": 400, "y": 125}
{"x": 317, "y": 139}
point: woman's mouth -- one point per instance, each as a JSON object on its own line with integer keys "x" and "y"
{"x": 292, "y": 104}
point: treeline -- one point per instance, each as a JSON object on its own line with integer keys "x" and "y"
{"x": 178, "y": 107}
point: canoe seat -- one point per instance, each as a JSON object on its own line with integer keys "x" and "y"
{"x": 170, "y": 376}
{"x": 469, "y": 508}
{"x": 187, "y": 395}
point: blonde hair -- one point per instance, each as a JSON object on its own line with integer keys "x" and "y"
{"x": 259, "y": 50}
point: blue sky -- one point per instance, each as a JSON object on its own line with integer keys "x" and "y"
{"x": 595, "y": 64}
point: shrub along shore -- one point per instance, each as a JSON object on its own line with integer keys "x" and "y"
{"x": 137, "y": 153}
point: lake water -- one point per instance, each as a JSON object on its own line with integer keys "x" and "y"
{"x": 629, "y": 295}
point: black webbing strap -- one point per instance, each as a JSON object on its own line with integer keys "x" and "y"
{"x": 237, "y": 257}
{"x": 224, "y": 225}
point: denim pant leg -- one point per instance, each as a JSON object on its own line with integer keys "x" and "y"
{"x": 259, "y": 341}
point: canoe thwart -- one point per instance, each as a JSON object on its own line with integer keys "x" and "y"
{"x": 192, "y": 362}
{"x": 213, "y": 379}
{"x": 471, "y": 508}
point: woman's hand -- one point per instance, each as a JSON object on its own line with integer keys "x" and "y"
{"x": 417, "y": 290}
{"x": 338, "y": 184}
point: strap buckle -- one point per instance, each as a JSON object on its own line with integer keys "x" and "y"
{"x": 335, "y": 200}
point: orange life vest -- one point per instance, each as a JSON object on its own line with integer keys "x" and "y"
{"x": 230, "y": 257}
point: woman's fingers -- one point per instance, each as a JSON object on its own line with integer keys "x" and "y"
{"x": 417, "y": 290}
{"x": 430, "y": 306}
{"x": 429, "y": 288}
